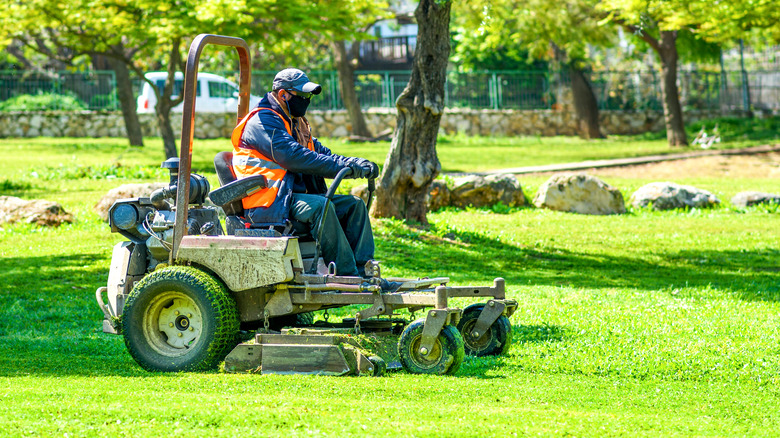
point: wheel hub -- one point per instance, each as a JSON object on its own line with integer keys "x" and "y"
{"x": 424, "y": 360}
{"x": 179, "y": 322}
{"x": 182, "y": 323}
{"x": 476, "y": 343}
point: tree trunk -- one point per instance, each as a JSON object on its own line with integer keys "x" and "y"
{"x": 346, "y": 68}
{"x": 166, "y": 131}
{"x": 675, "y": 128}
{"x": 585, "y": 105}
{"x": 412, "y": 164}
{"x": 165, "y": 103}
{"x": 127, "y": 101}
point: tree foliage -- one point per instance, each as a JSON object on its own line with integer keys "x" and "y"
{"x": 528, "y": 28}
{"x": 140, "y": 32}
{"x": 718, "y": 21}
{"x": 543, "y": 30}
{"x": 667, "y": 25}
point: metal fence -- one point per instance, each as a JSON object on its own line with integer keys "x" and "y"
{"x": 94, "y": 90}
{"x": 615, "y": 90}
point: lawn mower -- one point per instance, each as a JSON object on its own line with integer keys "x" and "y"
{"x": 183, "y": 291}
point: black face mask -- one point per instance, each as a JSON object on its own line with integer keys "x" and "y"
{"x": 297, "y": 105}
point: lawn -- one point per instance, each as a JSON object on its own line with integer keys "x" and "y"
{"x": 643, "y": 324}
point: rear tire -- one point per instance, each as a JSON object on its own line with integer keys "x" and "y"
{"x": 445, "y": 357}
{"x": 179, "y": 318}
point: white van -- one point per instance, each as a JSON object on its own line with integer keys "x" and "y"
{"x": 214, "y": 94}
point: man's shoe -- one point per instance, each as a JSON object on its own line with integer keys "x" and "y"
{"x": 389, "y": 286}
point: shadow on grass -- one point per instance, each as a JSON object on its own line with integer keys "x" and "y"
{"x": 480, "y": 367}
{"x": 469, "y": 257}
{"x": 51, "y": 325}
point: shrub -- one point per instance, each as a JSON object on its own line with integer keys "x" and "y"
{"x": 43, "y": 102}
{"x": 103, "y": 101}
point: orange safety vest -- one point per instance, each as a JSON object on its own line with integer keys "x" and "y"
{"x": 247, "y": 161}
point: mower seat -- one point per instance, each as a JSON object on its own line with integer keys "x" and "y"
{"x": 230, "y": 194}
{"x": 223, "y": 164}
{"x": 229, "y": 197}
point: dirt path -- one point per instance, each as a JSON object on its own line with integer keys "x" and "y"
{"x": 759, "y": 162}
{"x": 724, "y": 166}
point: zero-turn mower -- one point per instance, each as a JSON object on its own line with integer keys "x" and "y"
{"x": 183, "y": 291}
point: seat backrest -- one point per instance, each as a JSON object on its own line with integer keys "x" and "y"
{"x": 223, "y": 164}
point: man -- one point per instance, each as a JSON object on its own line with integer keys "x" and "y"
{"x": 275, "y": 140}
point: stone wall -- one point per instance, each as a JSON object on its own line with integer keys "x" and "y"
{"x": 336, "y": 123}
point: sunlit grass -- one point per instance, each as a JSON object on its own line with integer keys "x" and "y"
{"x": 643, "y": 324}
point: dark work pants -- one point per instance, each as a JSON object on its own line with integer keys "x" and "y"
{"x": 347, "y": 239}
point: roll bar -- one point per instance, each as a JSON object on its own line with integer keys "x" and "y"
{"x": 188, "y": 119}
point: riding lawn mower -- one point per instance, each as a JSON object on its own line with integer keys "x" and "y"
{"x": 184, "y": 292}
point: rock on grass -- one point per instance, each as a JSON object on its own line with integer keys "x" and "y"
{"x": 37, "y": 211}
{"x": 747, "y": 199}
{"x": 669, "y": 196}
{"x": 579, "y": 193}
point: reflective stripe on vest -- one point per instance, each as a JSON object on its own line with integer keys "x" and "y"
{"x": 247, "y": 161}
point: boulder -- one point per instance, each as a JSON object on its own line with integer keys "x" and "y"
{"x": 668, "y": 196}
{"x": 123, "y": 192}
{"x": 746, "y": 199}
{"x": 579, "y": 193}
{"x": 484, "y": 191}
{"x": 37, "y": 211}
{"x": 438, "y": 195}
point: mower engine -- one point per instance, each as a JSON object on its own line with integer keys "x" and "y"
{"x": 148, "y": 225}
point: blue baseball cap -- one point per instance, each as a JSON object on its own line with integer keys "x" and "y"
{"x": 294, "y": 79}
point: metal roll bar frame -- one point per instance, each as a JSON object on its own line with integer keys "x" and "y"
{"x": 188, "y": 119}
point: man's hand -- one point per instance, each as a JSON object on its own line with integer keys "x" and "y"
{"x": 373, "y": 170}
{"x": 358, "y": 171}
{"x": 371, "y": 167}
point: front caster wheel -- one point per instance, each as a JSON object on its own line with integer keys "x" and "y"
{"x": 380, "y": 366}
{"x": 444, "y": 358}
{"x": 179, "y": 319}
{"x": 493, "y": 343}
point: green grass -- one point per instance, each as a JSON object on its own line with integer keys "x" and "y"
{"x": 644, "y": 324}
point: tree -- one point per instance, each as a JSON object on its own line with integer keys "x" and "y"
{"x": 127, "y": 33}
{"x": 648, "y": 21}
{"x": 346, "y": 62}
{"x": 57, "y": 31}
{"x": 728, "y": 23}
{"x": 662, "y": 23}
{"x": 365, "y": 14}
{"x": 546, "y": 30}
{"x": 125, "y": 94}
{"x": 137, "y": 32}
{"x": 412, "y": 164}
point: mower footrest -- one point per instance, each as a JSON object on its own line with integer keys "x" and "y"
{"x": 422, "y": 283}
